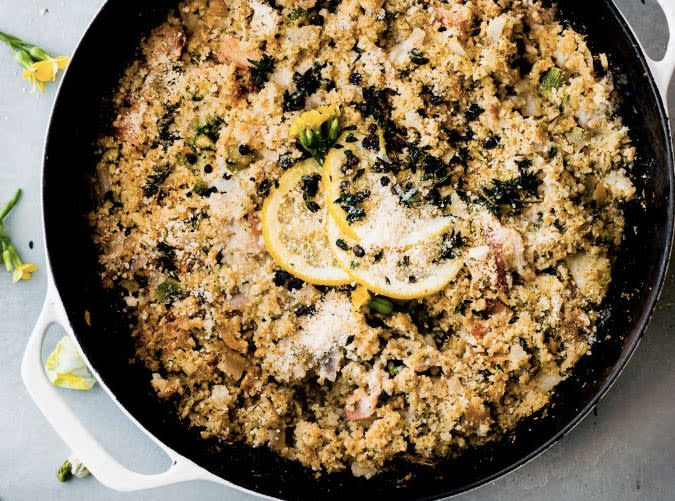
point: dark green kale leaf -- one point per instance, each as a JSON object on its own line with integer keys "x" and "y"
{"x": 155, "y": 180}
{"x": 452, "y": 242}
{"x": 510, "y": 196}
{"x": 261, "y": 69}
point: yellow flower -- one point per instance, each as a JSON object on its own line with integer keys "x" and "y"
{"x": 44, "y": 71}
{"x": 360, "y": 296}
{"x": 24, "y": 272}
{"x": 313, "y": 119}
{"x": 65, "y": 367}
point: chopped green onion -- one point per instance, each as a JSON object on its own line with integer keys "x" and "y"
{"x": 10, "y": 205}
{"x": 553, "y": 79}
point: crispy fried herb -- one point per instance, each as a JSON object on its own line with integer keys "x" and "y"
{"x": 460, "y": 309}
{"x": 416, "y": 155}
{"x": 263, "y": 188}
{"x": 372, "y": 140}
{"x": 355, "y": 78}
{"x": 285, "y": 161}
{"x": 378, "y": 256}
{"x": 421, "y": 318}
{"x": 382, "y": 166}
{"x": 316, "y": 20}
{"x": 312, "y": 206}
{"x": 167, "y": 257}
{"x": 417, "y": 57}
{"x": 293, "y": 101}
{"x": 169, "y": 291}
{"x": 297, "y": 14}
{"x": 349, "y": 203}
{"x": 491, "y": 142}
{"x": 166, "y": 121}
{"x": 434, "y": 168}
{"x": 155, "y": 180}
{"x": 309, "y": 81}
{"x": 473, "y": 112}
{"x": 394, "y": 367}
{"x": 310, "y": 187}
{"x": 342, "y": 244}
{"x": 406, "y": 194}
{"x": 375, "y": 103}
{"x": 281, "y": 277}
{"x": 304, "y": 310}
{"x": 452, "y": 242}
{"x": 203, "y": 190}
{"x": 553, "y": 152}
{"x": 350, "y": 162}
{"x": 210, "y": 129}
{"x": 524, "y": 163}
{"x": 428, "y": 91}
{"x": 261, "y": 69}
{"x": 306, "y": 84}
{"x": 284, "y": 279}
{"x": 510, "y": 196}
{"x": 435, "y": 198}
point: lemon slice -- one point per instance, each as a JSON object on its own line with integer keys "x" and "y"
{"x": 399, "y": 272}
{"x": 294, "y": 228}
{"x": 373, "y": 206}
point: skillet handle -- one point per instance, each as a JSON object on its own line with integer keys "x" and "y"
{"x": 663, "y": 70}
{"x": 83, "y": 444}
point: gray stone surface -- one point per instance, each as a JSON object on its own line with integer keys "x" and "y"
{"x": 626, "y": 450}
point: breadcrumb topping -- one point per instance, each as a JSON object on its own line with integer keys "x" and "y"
{"x": 493, "y": 113}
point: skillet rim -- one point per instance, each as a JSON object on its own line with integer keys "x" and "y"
{"x": 630, "y": 344}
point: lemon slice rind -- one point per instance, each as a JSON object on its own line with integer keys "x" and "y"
{"x": 386, "y": 220}
{"x": 382, "y": 278}
{"x": 290, "y": 230}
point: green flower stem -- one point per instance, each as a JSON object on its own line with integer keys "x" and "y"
{"x": 10, "y": 256}
{"x": 16, "y": 260}
{"x": 10, "y": 205}
{"x": 14, "y": 42}
{"x": 6, "y": 256}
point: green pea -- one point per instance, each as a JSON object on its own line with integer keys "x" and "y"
{"x": 381, "y": 305}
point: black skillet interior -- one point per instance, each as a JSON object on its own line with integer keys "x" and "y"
{"x": 81, "y": 110}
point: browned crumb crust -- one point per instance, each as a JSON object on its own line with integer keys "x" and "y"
{"x": 200, "y": 139}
